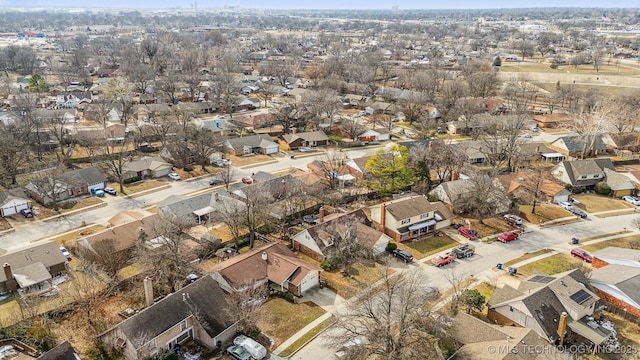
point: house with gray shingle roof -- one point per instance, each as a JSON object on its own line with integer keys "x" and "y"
{"x": 31, "y": 269}
{"x": 68, "y": 185}
{"x": 199, "y": 311}
{"x": 620, "y": 184}
{"x": 578, "y": 146}
{"x": 539, "y": 302}
{"x": 12, "y": 201}
{"x": 618, "y": 285}
{"x": 148, "y": 166}
{"x": 582, "y": 173}
{"x": 254, "y": 144}
{"x": 201, "y": 207}
{"x": 304, "y": 140}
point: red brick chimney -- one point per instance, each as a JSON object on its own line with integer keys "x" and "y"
{"x": 454, "y": 175}
{"x": 562, "y": 327}
{"x": 321, "y": 215}
{"x": 430, "y": 146}
{"x": 383, "y": 216}
{"x": 11, "y": 284}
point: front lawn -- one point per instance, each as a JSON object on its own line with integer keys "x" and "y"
{"x": 63, "y": 239}
{"x": 489, "y": 226}
{"x": 596, "y": 203}
{"x": 306, "y": 337}
{"x": 241, "y": 161}
{"x": 361, "y": 276}
{"x": 544, "y": 212}
{"x": 69, "y": 206}
{"x": 550, "y": 265}
{"x": 280, "y": 319}
{"x": 137, "y": 187}
{"x": 429, "y": 246}
{"x": 526, "y": 256}
{"x": 627, "y": 242}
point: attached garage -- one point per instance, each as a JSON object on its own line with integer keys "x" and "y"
{"x": 271, "y": 148}
{"x": 312, "y": 279}
{"x": 12, "y": 201}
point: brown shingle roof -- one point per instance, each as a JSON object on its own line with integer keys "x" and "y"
{"x": 409, "y": 207}
{"x": 46, "y": 253}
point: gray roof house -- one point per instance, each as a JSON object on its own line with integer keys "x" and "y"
{"x": 12, "y": 201}
{"x": 148, "y": 166}
{"x": 201, "y": 207}
{"x": 575, "y": 145}
{"x": 620, "y": 184}
{"x": 452, "y": 194}
{"x": 198, "y": 311}
{"x": 254, "y": 144}
{"x": 582, "y": 173}
{"x": 618, "y": 285}
{"x": 551, "y": 305}
{"x": 68, "y": 185}
{"x": 31, "y": 269}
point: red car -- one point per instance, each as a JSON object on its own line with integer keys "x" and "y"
{"x": 508, "y": 236}
{"x": 443, "y": 259}
{"x": 247, "y": 180}
{"x": 581, "y": 254}
{"x": 469, "y": 234}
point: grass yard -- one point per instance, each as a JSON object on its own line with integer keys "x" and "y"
{"x": 524, "y": 257}
{"x": 486, "y": 290}
{"x": 544, "y": 212}
{"x": 628, "y": 242}
{"x": 241, "y": 161}
{"x": 130, "y": 271}
{"x": 197, "y": 171}
{"x": 4, "y": 224}
{"x": 280, "y": 319}
{"x": 74, "y": 235}
{"x": 596, "y": 203}
{"x": 490, "y": 226}
{"x": 306, "y": 337}
{"x": 362, "y": 275}
{"x": 551, "y": 265}
{"x": 429, "y": 246}
{"x": 66, "y": 207}
{"x": 140, "y": 186}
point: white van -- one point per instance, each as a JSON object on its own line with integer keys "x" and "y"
{"x": 253, "y": 347}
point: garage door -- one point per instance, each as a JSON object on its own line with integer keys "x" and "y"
{"x": 95, "y": 187}
{"x": 271, "y": 149}
{"x": 311, "y": 281}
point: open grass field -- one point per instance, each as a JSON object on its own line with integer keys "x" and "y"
{"x": 544, "y": 67}
{"x": 280, "y": 319}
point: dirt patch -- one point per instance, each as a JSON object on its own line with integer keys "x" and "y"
{"x": 4, "y": 224}
{"x": 489, "y": 226}
{"x": 361, "y": 276}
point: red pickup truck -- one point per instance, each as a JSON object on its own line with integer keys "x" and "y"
{"x": 469, "y": 234}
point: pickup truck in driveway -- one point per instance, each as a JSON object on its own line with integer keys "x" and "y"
{"x": 443, "y": 259}
{"x": 464, "y": 251}
{"x": 468, "y": 233}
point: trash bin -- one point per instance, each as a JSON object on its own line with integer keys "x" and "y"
{"x": 321, "y": 285}
{"x": 513, "y": 271}
{"x": 576, "y": 240}
{"x": 293, "y": 156}
{"x": 499, "y": 266}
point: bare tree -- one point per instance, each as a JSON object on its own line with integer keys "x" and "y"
{"x": 445, "y": 159}
{"x": 591, "y": 124}
{"x": 11, "y": 161}
{"x": 332, "y": 165}
{"x": 484, "y": 196}
{"x": 232, "y": 215}
{"x": 456, "y": 279}
{"x": 106, "y": 255}
{"x": 391, "y": 320}
{"x": 256, "y": 210}
{"x": 52, "y": 185}
{"x": 347, "y": 246}
{"x": 90, "y": 288}
{"x": 245, "y": 303}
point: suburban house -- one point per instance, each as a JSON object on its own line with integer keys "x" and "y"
{"x": 620, "y": 184}
{"x": 12, "y": 201}
{"x": 514, "y": 182}
{"x": 625, "y": 145}
{"x": 546, "y": 121}
{"x": 254, "y": 144}
{"x": 303, "y": 140}
{"x": 617, "y": 278}
{"x": 562, "y": 308}
{"x": 583, "y": 174}
{"x": 63, "y": 351}
{"x": 452, "y": 194}
{"x": 372, "y": 135}
{"x": 314, "y": 240}
{"x": 579, "y": 146}
{"x": 31, "y": 269}
{"x": 616, "y": 256}
{"x": 201, "y": 207}
{"x": 410, "y": 217}
{"x": 119, "y": 238}
{"x": 537, "y": 151}
{"x": 199, "y": 311}
{"x": 218, "y": 125}
{"x": 148, "y": 166}
{"x": 273, "y": 264}
{"x": 68, "y": 185}
{"x": 477, "y": 336}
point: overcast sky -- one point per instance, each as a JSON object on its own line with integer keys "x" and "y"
{"x": 341, "y": 4}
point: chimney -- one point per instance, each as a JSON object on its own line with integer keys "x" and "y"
{"x": 383, "y": 215}
{"x": 321, "y": 215}
{"x": 430, "y": 145}
{"x": 11, "y": 284}
{"x": 454, "y": 175}
{"x": 294, "y": 130}
{"x": 538, "y": 148}
{"x": 562, "y": 326}
{"x": 264, "y": 256}
{"x": 148, "y": 291}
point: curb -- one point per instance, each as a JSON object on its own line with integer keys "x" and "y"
{"x": 52, "y": 236}
{"x": 311, "y": 338}
{"x": 258, "y": 164}
{"x": 71, "y": 213}
{"x": 8, "y": 231}
{"x": 148, "y": 191}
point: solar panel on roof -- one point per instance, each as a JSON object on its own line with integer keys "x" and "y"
{"x": 542, "y": 279}
{"x": 580, "y": 297}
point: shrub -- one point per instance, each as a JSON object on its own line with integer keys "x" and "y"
{"x": 391, "y": 246}
{"x": 602, "y": 188}
{"x": 285, "y": 295}
{"x": 132, "y": 180}
{"x": 326, "y": 264}
{"x": 188, "y": 168}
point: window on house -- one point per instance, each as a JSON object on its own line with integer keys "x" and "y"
{"x": 424, "y": 216}
{"x": 183, "y": 325}
{"x": 596, "y": 176}
{"x": 404, "y": 235}
{"x": 152, "y": 344}
{"x": 406, "y": 221}
{"x": 583, "y": 177}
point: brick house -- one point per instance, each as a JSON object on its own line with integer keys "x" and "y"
{"x": 31, "y": 270}
{"x": 617, "y": 278}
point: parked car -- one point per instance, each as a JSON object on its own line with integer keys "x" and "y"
{"x": 631, "y": 199}
{"x": 98, "y": 192}
{"x": 311, "y": 218}
{"x": 247, "y": 180}
{"x": 566, "y": 205}
{"x": 254, "y": 348}
{"x": 26, "y": 213}
{"x": 174, "y": 176}
{"x": 431, "y": 293}
{"x": 110, "y": 191}
{"x": 468, "y": 233}
{"x": 403, "y": 255}
{"x": 216, "y": 181}
{"x": 508, "y": 236}
{"x": 464, "y": 251}
{"x": 578, "y": 212}
{"x": 221, "y": 162}
{"x": 65, "y": 252}
{"x": 348, "y": 344}
{"x": 238, "y": 352}
{"x": 443, "y": 259}
{"x": 581, "y": 254}
{"x": 513, "y": 219}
